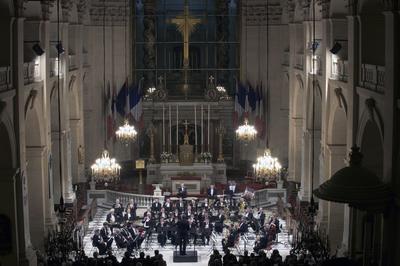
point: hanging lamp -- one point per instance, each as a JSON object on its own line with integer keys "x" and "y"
{"x": 105, "y": 169}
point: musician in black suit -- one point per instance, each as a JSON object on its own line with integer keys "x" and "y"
{"x": 243, "y": 227}
{"x": 212, "y": 192}
{"x": 182, "y": 191}
{"x": 168, "y": 205}
{"x": 97, "y": 241}
{"x": 219, "y": 223}
{"x": 162, "y": 232}
{"x": 156, "y": 206}
{"x": 105, "y": 233}
{"x": 231, "y": 190}
{"x": 206, "y": 229}
{"x": 181, "y": 206}
{"x": 183, "y": 229}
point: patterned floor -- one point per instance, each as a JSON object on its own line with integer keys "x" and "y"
{"x": 203, "y": 251}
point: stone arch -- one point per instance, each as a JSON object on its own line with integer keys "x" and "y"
{"x": 7, "y": 144}
{"x": 33, "y": 126}
{"x": 370, "y": 114}
{"x": 318, "y": 105}
{"x": 371, "y": 144}
{"x": 337, "y": 127}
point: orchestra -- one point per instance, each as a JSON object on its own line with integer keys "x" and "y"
{"x": 186, "y": 220}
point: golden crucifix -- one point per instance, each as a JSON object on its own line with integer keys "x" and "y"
{"x": 185, "y": 25}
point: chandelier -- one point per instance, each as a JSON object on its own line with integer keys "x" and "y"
{"x": 126, "y": 133}
{"x": 105, "y": 169}
{"x": 246, "y": 132}
{"x": 267, "y": 166}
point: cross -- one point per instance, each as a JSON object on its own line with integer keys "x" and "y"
{"x": 186, "y": 125}
{"x": 160, "y": 80}
{"x": 185, "y": 25}
{"x": 211, "y": 78}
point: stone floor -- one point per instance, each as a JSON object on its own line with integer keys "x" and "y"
{"x": 203, "y": 251}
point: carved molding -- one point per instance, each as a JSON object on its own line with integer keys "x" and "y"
{"x": 82, "y": 7}
{"x": 66, "y": 7}
{"x": 373, "y": 113}
{"x": 255, "y": 12}
{"x": 30, "y": 102}
{"x": 46, "y": 5}
{"x": 341, "y": 99}
{"x": 71, "y": 83}
{"x": 300, "y": 81}
{"x": 19, "y": 8}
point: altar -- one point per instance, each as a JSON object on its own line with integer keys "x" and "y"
{"x": 196, "y": 177}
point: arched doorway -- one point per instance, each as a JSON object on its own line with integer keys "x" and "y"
{"x": 370, "y": 226}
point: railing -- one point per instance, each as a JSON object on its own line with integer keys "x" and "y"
{"x": 339, "y": 70}
{"x": 299, "y": 61}
{"x": 286, "y": 58}
{"x": 5, "y": 78}
{"x": 72, "y": 62}
{"x": 268, "y": 196}
{"x": 109, "y": 196}
{"x": 373, "y": 77}
{"x": 31, "y": 72}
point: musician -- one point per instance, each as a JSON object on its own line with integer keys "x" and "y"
{"x": 206, "y": 229}
{"x": 189, "y": 211}
{"x": 182, "y": 229}
{"x": 130, "y": 243}
{"x": 111, "y": 220}
{"x": 181, "y": 206}
{"x": 98, "y": 242}
{"x": 231, "y": 192}
{"x": 156, "y": 206}
{"x": 261, "y": 216}
{"x": 147, "y": 224}
{"x": 260, "y": 243}
{"x": 131, "y": 208}
{"x": 120, "y": 240}
{"x": 105, "y": 233}
{"x": 192, "y": 229}
{"x": 229, "y": 240}
{"x": 168, "y": 205}
{"x": 219, "y": 223}
{"x": 249, "y": 214}
{"x": 163, "y": 214}
{"x": 182, "y": 191}
{"x": 147, "y": 212}
{"x": 172, "y": 232}
{"x": 219, "y": 204}
{"x": 243, "y": 227}
{"x": 118, "y": 211}
{"x": 162, "y": 232}
{"x": 212, "y": 192}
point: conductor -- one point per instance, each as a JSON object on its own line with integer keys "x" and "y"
{"x": 182, "y": 192}
{"x": 183, "y": 229}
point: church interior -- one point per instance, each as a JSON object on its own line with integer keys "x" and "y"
{"x": 200, "y": 132}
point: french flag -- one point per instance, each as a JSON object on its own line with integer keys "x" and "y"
{"x": 122, "y": 100}
{"x": 136, "y": 104}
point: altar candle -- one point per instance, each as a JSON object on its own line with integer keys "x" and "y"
{"x": 208, "y": 130}
{"x": 195, "y": 128}
{"x": 170, "y": 129}
{"x": 202, "y": 130}
{"x": 177, "y": 124}
{"x": 163, "y": 126}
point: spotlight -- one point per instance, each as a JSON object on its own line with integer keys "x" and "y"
{"x": 336, "y": 48}
{"x": 60, "y": 48}
{"x": 314, "y": 46}
{"x": 37, "y": 49}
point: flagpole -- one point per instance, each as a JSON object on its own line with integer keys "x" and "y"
{"x": 170, "y": 129}
{"x": 208, "y": 129}
{"x": 202, "y": 129}
{"x": 177, "y": 125}
{"x": 195, "y": 130}
{"x": 163, "y": 128}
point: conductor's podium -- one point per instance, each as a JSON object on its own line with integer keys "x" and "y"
{"x": 191, "y": 256}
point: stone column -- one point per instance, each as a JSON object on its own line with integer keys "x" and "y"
{"x": 390, "y": 240}
{"x": 37, "y": 187}
{"x": 297, "y": 125}
{"x": 18, "y": 183}
{"x": 335, "y": 157}
{"x": 151, "y": 130}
